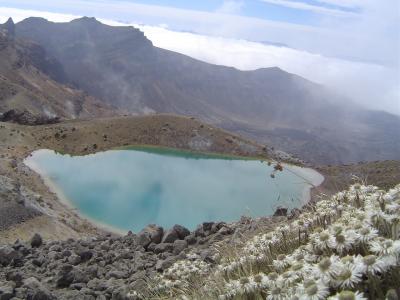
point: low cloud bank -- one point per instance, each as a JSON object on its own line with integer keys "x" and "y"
{"x": 372, "y": 85}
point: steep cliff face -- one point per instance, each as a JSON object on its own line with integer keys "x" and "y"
{"x": 26, "y": 82}
{"x": 121, "y": 67}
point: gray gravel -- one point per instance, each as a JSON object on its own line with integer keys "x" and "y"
{"x": 13, "y": 200}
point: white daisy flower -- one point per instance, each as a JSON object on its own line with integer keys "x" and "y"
{"x": 233, "y": 288}
{"x": 262, "y": 280}
{"x": 326, "y": 269}
{"x": 382, "y": 246}
{"x": 280, "y": 262}
{"x": 276, "y": 293}
{"x": 248, "y": 284}
{"x": 348, "y": 295}
{"x": 287, "y": 278}
{"x": 342, "y": 242}
{"x": 323, "y": 240}
{"x": 348, "y": 274}
{"x": 367, "y": 233}
{"x": 312, "y": 290}
{"x": 371, "y": 264}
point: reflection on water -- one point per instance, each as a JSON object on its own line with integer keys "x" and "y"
{"x": 129, "y": 189}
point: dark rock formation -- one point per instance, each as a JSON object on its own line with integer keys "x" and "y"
{"x": 170, "y": 236}
{"x": 8, "y": 28}
{"x": 36, "y": 241}
{"x": 281, "y": 212}
{"x": 26, "y": 118}
{"x": 181, "y": 231}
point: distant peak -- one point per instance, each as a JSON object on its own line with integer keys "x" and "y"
{"x": 10, "y": 21}
{"x": 277, "y": 69}
{"x": 9, "y": 27}
{"x": 87, "y": 20}
{"x": 274, "y": 70}
{"x": 34, "y": 20}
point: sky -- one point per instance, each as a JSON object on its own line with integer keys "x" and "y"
{"x": 351, "y": 46}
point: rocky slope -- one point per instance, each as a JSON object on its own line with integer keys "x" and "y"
{"x": 26, "y": 85}
{"x": 121, "y": 67}
{"x": 106, "y": 266}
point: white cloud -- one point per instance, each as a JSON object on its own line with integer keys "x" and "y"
{"x": 368, "y": 34}
{"x": 230, "y": 7}
{"x": 312, "y": 8}
{"x": 344, "y": 3}
{"x": 372, "y": 85}
{"x": 210, "y": 23}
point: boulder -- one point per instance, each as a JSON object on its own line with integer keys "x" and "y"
{"x": 6, "y": 290}
{"x": 294, "y": 213}
{"x": 225, "y": 230}
{"x": 117, "y": 274}
{"x": 38, "y": 262}
{"x": 163, "y": 247}
{"x": 16, "y": 277}
{"x": 53, "y": 255}
{"x": 181, "y": 231}
{"x": 154, "y": 232}
{"x": 66, "y": 253}
{"x": 203, "y": 229}
{"x": 207, "y": 256}
{"x": 42, "y": 295}
{"x": 55, "y": 248}
{"x": 65, "y": 277}
{"x": 36, "y": 241}
{"x": 97, "y": 285}
{"x": 191, "y": 239}
{"x": 179, "y": 246}
{"x": 207, "y": 226}
{"x": 79, "y": 276}
{"x": 245, "y": 220}
{"x": 144, "y": 239}
{"x": 199, "y": 231}
{"x": 7, "y": 255}
{"x": 217, "y": 226}
{"x": 151, "y": 247}
{"x": 162, "y": 265}
{"x": 36, "y": 290}
{"x": 170, "y": 236}
{"x": 121, "y": 293}
{"x": 281, "y": 212}
{"x": 86, "y": 254}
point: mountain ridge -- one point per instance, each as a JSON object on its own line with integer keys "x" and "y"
{"x": 27, "y": 87}
{"x": 122, "y": 68}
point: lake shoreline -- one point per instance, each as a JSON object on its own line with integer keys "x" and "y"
{"x": 83, "y": 137}
{"x": 314, "y": 179}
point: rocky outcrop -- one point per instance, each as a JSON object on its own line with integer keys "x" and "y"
{"x": 26, "y": 118}
{"x": 281, "y": 211}
{"x": 15, "y": 200}
{"x": 8, "y": 28}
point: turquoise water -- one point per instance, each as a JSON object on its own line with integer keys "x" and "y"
{"x": 128, "y": 189}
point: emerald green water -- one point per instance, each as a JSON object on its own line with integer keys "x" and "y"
{"x": 130, "y": 188}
